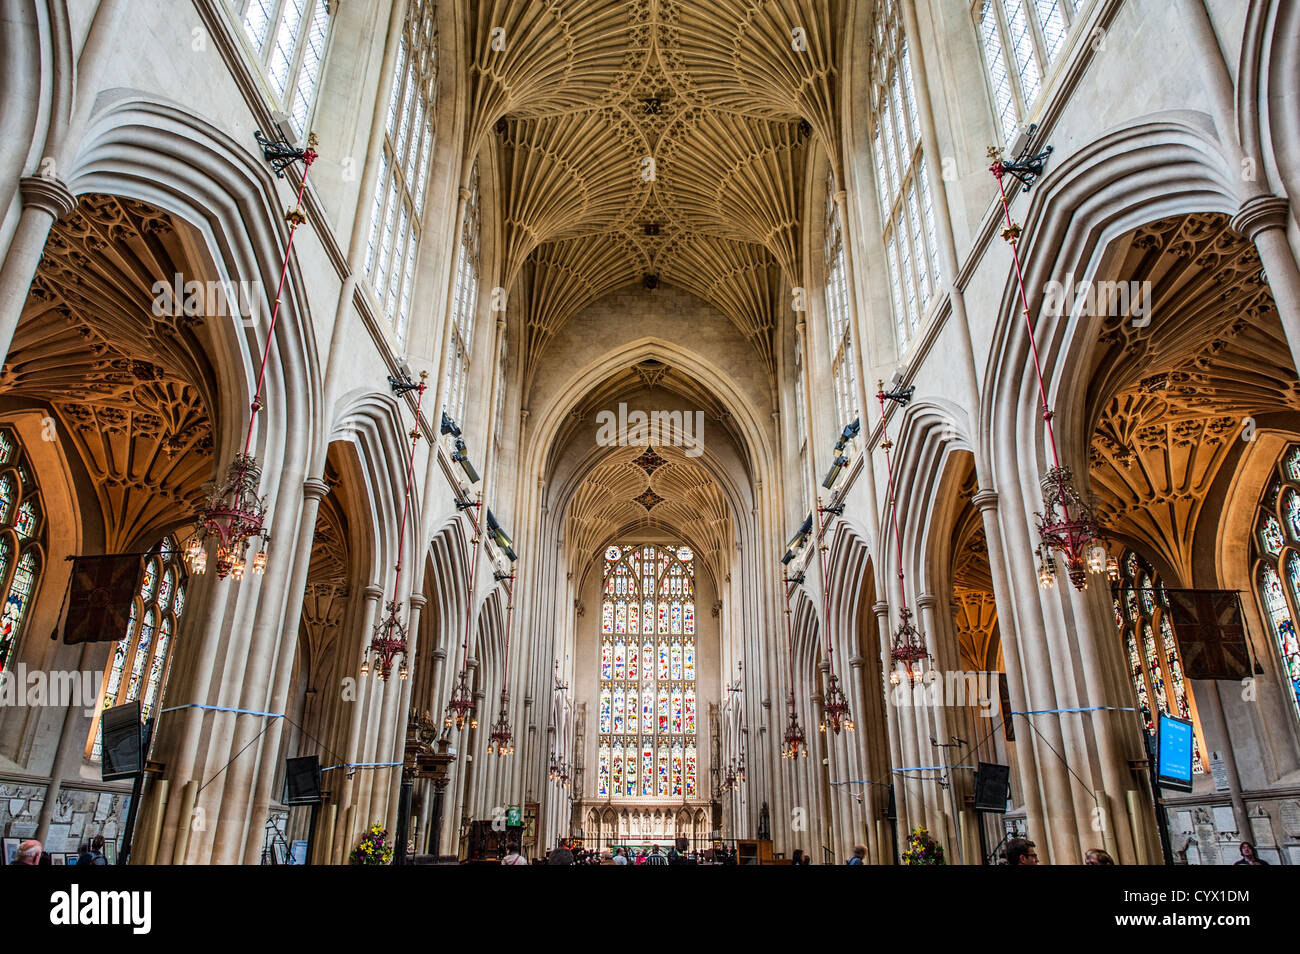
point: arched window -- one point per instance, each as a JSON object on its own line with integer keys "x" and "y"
{"x": 1277, "y": 563}
{"x": 843, "y": 371}
{"x": 288, "y": 40}
{"x": 1022, "y": 40}
{"x": 464, "y": 305}
{"x": 1154, "y": 662}
{"x": 398, "y": 211}
{"x": 902, "y": 178}
{"x": 141, "y": 659}
{"x": 22, "y": 536}
{"x": 647, "y": 739}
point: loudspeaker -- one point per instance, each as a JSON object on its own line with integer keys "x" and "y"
{"x": 302, "y": 780}
{"x": 991, "y": 787}
{"x": 123, "y": 742}
{"x": 891, "y": 812}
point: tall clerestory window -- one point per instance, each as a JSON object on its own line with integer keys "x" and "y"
{"x": 902, "y": 176}
{"x": 288, "y": 39}
{"x": 646, "y": 745}
{"x": 142, "y": 657}
{"x": 22, "y": 538}
{"x": 1022, "y": 40}
{"x": 1154, "y": 662}
{"x": 464, "y": 305}
{"x": 1277, "y": 564}
{"x": 844, "y": 375}
{"x": 397, "y": 215}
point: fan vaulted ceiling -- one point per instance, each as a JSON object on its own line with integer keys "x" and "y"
{"x": 653, "y": 137}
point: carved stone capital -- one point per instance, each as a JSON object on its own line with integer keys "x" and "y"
{"x": 1259, "y": 214}
{"x": 857, "y": 662}
{"x": 418, "y": 601}
{"x": 985, "y": 500}
{"x": 881, "y": 609}
{"x": 927, "y": 601}
{"x": 313, "y": 488}
{"x": 372, "y": 591}
{"x": 48, "y": 194}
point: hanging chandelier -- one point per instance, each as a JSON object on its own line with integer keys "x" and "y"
{"x": 499, "y": 739}
{"x": 794, "y": 743}
{"x": 233, "y": 514}
{"x": 1068, "y": 523}
{"x": 835, "y": 704}
{"x": 460, "y": 707}
{"x": 835, "y": 707}
{"x": 907, "y": 646}
{"x": 390, "y": 637}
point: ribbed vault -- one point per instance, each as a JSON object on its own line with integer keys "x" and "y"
{"x": 1173, "y": 394}
{"x": 654, "y": 140}
{"x": 692, "y": 505}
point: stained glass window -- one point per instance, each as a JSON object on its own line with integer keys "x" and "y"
{"x": 1022, "y": 41}
{"x": 843, "y": 364}
{"x": 397, "y": 212}
{"x": 902, "y": 178}
{"x": 22, "y": 534}
{"x": 648, "y": 722}
{"x": 288, "y": 43}
{"x": 1151, "y": 645}
{"x": 1277, "y": 574}
{"x": 141, "y": 660}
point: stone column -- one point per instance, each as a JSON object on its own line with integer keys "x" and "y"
{"x": 1263, "y": 220}
{"x": 1026, "y": 762}
{"x": 45, "y": 200}
{"x": 354, "y": 784}
{"x": 893, "y": 717}
{"x": 314, "y": 490}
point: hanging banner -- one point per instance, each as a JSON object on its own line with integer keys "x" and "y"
{"x": 1211, "y": 635}
{"x": 99, "y": 597}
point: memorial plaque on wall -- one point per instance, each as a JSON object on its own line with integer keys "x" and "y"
{"x": 1289, "y": 814}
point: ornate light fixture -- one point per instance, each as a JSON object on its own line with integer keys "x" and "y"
{"x": 1068, "y": 522}
{"x": 233, "y": 514}
{"x": 793, "y": 743}
{"x": 835, "y": 705}
{"x": 460, "y": 708}
{"x": 500, "y": 740}
{"x": 390, "y": 637}
{"x": 907, "y": 648}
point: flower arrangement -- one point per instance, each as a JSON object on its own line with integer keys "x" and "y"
{"x": 373, "y": 848}
{"x": 922, "y": 849}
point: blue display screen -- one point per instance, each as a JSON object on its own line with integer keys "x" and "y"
{"x": 1175, "y": 753}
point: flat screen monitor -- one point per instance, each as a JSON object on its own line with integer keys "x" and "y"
{"x": 1174, "y": 741}
{"x": 123, "y": 742}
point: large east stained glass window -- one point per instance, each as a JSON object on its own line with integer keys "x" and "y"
{"x": 1151, "y": 649}
{"x": 288, "y": 39}
{"x": 1277, "y": 564}
{"x": 141, "y": 659}
{"x": 647, "y": 740}
{"x": 22, "y": 533}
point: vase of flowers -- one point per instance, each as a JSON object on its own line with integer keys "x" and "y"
{"x": 373, "y": 848}
{"x": 922, "y": 849}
